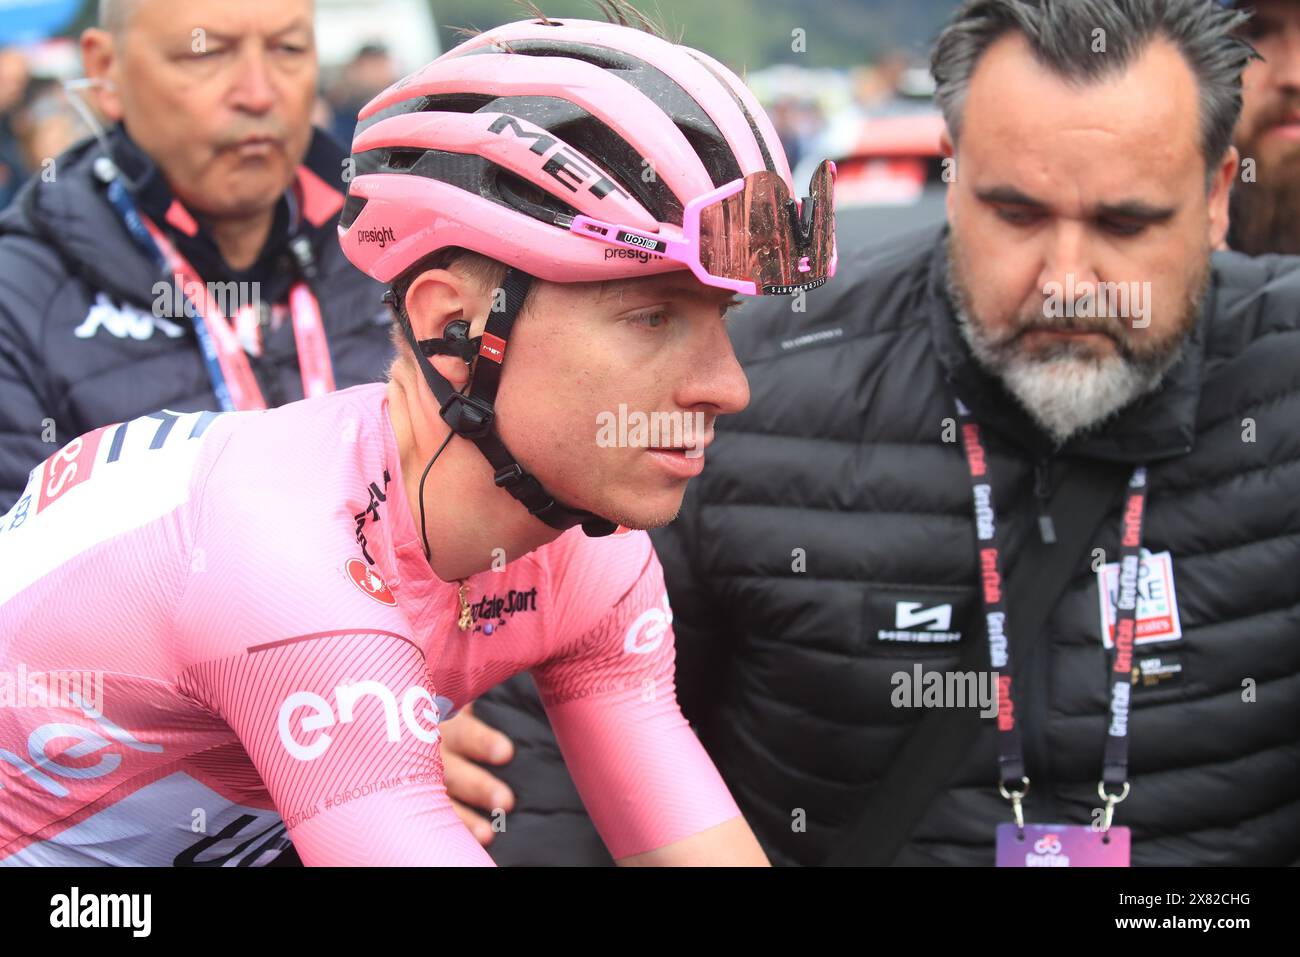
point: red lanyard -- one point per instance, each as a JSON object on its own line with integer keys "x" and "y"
{"x": 308, "y": 333}
{"x": 1013, "y": 781}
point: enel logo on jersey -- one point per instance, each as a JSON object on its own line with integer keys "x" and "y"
{"x": 647, "y": 633}
{"x": 43, "y": 764}
{"x": 321, "y": 715}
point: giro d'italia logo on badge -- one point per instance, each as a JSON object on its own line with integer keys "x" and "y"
{"x": 370, "y": 582}
{"x": 1047, "y": 853}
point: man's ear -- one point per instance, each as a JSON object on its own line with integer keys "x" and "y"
{"x": 437, "y": 298}
{"x": 1221, "y": 185}
{"x": 99, "y": 60}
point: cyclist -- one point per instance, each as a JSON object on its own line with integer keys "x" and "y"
{"x": 223, "y": 633}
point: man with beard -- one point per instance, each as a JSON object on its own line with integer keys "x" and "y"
{"x": 1055, "y": 440}
{"x": 1266, "y": 202}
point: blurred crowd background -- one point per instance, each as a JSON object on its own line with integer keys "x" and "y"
{"x": 841, "y": 78}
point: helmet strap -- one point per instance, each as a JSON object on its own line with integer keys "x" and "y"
{"x": 472, "y": 414}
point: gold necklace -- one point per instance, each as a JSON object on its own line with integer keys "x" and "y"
{"x": 465, "y": 619}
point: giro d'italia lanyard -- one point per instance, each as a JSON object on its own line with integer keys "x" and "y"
{"x": 226, "y": 361}
{"x": 1014, "y": 783}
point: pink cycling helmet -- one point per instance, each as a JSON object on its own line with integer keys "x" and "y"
{"x": 488, "y": 144}
{"x": 572, "y": 151}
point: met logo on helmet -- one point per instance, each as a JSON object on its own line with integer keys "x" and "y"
{"x": 563, "y": 162}
{"x": 321, "y": 715}
{"x": 492, "y": 347}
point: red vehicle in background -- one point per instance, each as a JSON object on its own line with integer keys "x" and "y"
{"x": 891, "y": 162}
{"x": 890, "y": 172}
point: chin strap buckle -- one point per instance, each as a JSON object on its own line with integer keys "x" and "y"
{"x": 467, "y": 415}
{"x": 509, "y": 477}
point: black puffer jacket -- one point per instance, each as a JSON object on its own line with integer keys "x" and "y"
{"x": 79, "y": 344}
{"x": 841, "y": 454}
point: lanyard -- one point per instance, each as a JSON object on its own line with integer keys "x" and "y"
{"x": 1013, "y": 783}
{"x": 224, "y": 357}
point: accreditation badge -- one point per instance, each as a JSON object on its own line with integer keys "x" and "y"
{"x": 1061, "y": 845}
{"x": 1157, "y": 603}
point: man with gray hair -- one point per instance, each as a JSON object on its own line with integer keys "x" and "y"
{"x": 1054, "y": 440}
{"x": 188, "y": 258}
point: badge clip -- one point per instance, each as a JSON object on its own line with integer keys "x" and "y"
{"x": 1015, "y": 798}
{"x": 1111, "y": 800}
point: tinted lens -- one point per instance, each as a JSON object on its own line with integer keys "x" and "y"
{"x": 759, "y": 235}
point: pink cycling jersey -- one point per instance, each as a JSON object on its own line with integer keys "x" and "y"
{"x": 219, "y": 633}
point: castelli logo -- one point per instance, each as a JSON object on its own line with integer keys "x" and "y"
{"x": 370, "y": 581}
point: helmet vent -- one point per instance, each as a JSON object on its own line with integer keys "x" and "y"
{"x": 455, "y": 102}
{"x": 678, "y": 105}
{"x": 530, "y": 199}
{"x": 351, "y": 210}
{"x": 399, "y": 159}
